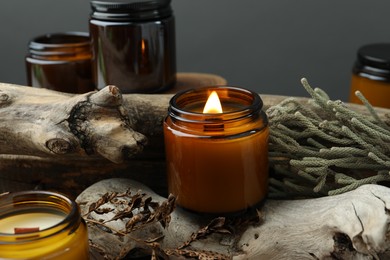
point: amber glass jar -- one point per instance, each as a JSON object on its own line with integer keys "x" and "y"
{"x": 217, "y": 162}
{"x": 133, "y": 45}
{"x": 60, "y": 61}
{"x": 41, "y": 225}
{"x": 371, "y": 75}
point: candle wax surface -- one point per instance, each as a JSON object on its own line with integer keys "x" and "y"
{"x": 30, "y": 220}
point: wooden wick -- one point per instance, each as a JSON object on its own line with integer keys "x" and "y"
{"x": 26, "y": 230}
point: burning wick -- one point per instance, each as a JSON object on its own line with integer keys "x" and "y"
{"x": 213, "y": 104}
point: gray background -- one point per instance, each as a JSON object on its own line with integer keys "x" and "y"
{"x": 265, "y": 45}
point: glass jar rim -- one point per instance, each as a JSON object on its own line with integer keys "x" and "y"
{"x": 66, "y": 44}
{"x": 131, "y": 10}
{"x": 10, "y": 203}
{"x": 177, "y": 109}
{"x": 64, "y": 39}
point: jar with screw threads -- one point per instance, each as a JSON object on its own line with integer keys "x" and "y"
{"x": 371, "y": 75}
{"x": 133, "y": 45}
{"x": 41, "y": 225}
{"x": 217, "y": 163}
{"x": 61, "y": 62}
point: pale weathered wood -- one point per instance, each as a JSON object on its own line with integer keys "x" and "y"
{"x": 46, "y": 123}
{"x": 353, "y": 225}
{"x": 52, "y": 140}
{"x": 40, "y": 149}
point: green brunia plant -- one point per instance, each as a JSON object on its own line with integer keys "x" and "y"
{"x": 324, "y": 147}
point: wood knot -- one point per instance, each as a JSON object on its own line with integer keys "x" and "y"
{"x": 4, "y": 98}
{"x": 59, "y": 146}
{"x": 109, "y": 96}
{"x": 114, "y": 90}
{"x": 79, "y": 124}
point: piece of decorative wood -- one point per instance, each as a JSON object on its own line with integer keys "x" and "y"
{"x": 353, "y": 225}
{"x": 65, "y": 142}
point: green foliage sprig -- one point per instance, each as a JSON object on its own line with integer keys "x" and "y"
{"x": 324, "y": 147}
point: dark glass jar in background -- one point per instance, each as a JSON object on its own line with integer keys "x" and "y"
{"x": 371, "y": 75}
{"x": 60, "y": 61}
{"x": 133, "y": 45}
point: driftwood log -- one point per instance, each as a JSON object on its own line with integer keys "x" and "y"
{"x": 353, "y": 225}
{"x": 52, "y": 140}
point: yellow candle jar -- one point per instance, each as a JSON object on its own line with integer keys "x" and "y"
{"x": 41, "y": 225}
{"x": 217, "y": 155}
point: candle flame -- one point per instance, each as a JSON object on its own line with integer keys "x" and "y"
{"x": 213, "y": 105}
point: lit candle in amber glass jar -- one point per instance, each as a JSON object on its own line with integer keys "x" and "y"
{"x": 217, "y": 154}
{"x": 41, "y": 225}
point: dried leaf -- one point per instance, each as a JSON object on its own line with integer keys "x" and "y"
{"x": 140, "y": 210}
{"x": 131, "y": 223}
{"x": 213, "y": 226}
{"x": 136, "y": 201}
{"x": 146, "y": 201}
{"x": 92, "y": 207}
{"x": 103, "y": 210}
{"x": 126, "y": 213}
{"x": 152, "y": 240}
{"x": 111, "y": 196}
{"x": 127, "y": 193}
{"x": 154, "y": 205}
{"x": 103, "y": 200}
{"x": 163, "y": 213}
{"x": 217, "y": 225}
{"x": 197, "y": 254}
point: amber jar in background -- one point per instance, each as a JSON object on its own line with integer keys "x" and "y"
{"x": 41, "y": 225}
{"x": 60, "y": 61}
{"x": 133, "y": 45}
{"x": 371, "y": 75}
{"x": 217, "y": 162}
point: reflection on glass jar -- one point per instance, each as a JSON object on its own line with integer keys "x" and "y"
{"x": 133, "y": 45}
{"x": 41, "y": 225}
{"x": 61, "y": 62}
{"x": 371, "y": 75}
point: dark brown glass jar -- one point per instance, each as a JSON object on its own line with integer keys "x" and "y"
{"x": 60, "y": 61}
{"x": 133, "y": 45}
{"x": 371, "y": 75}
